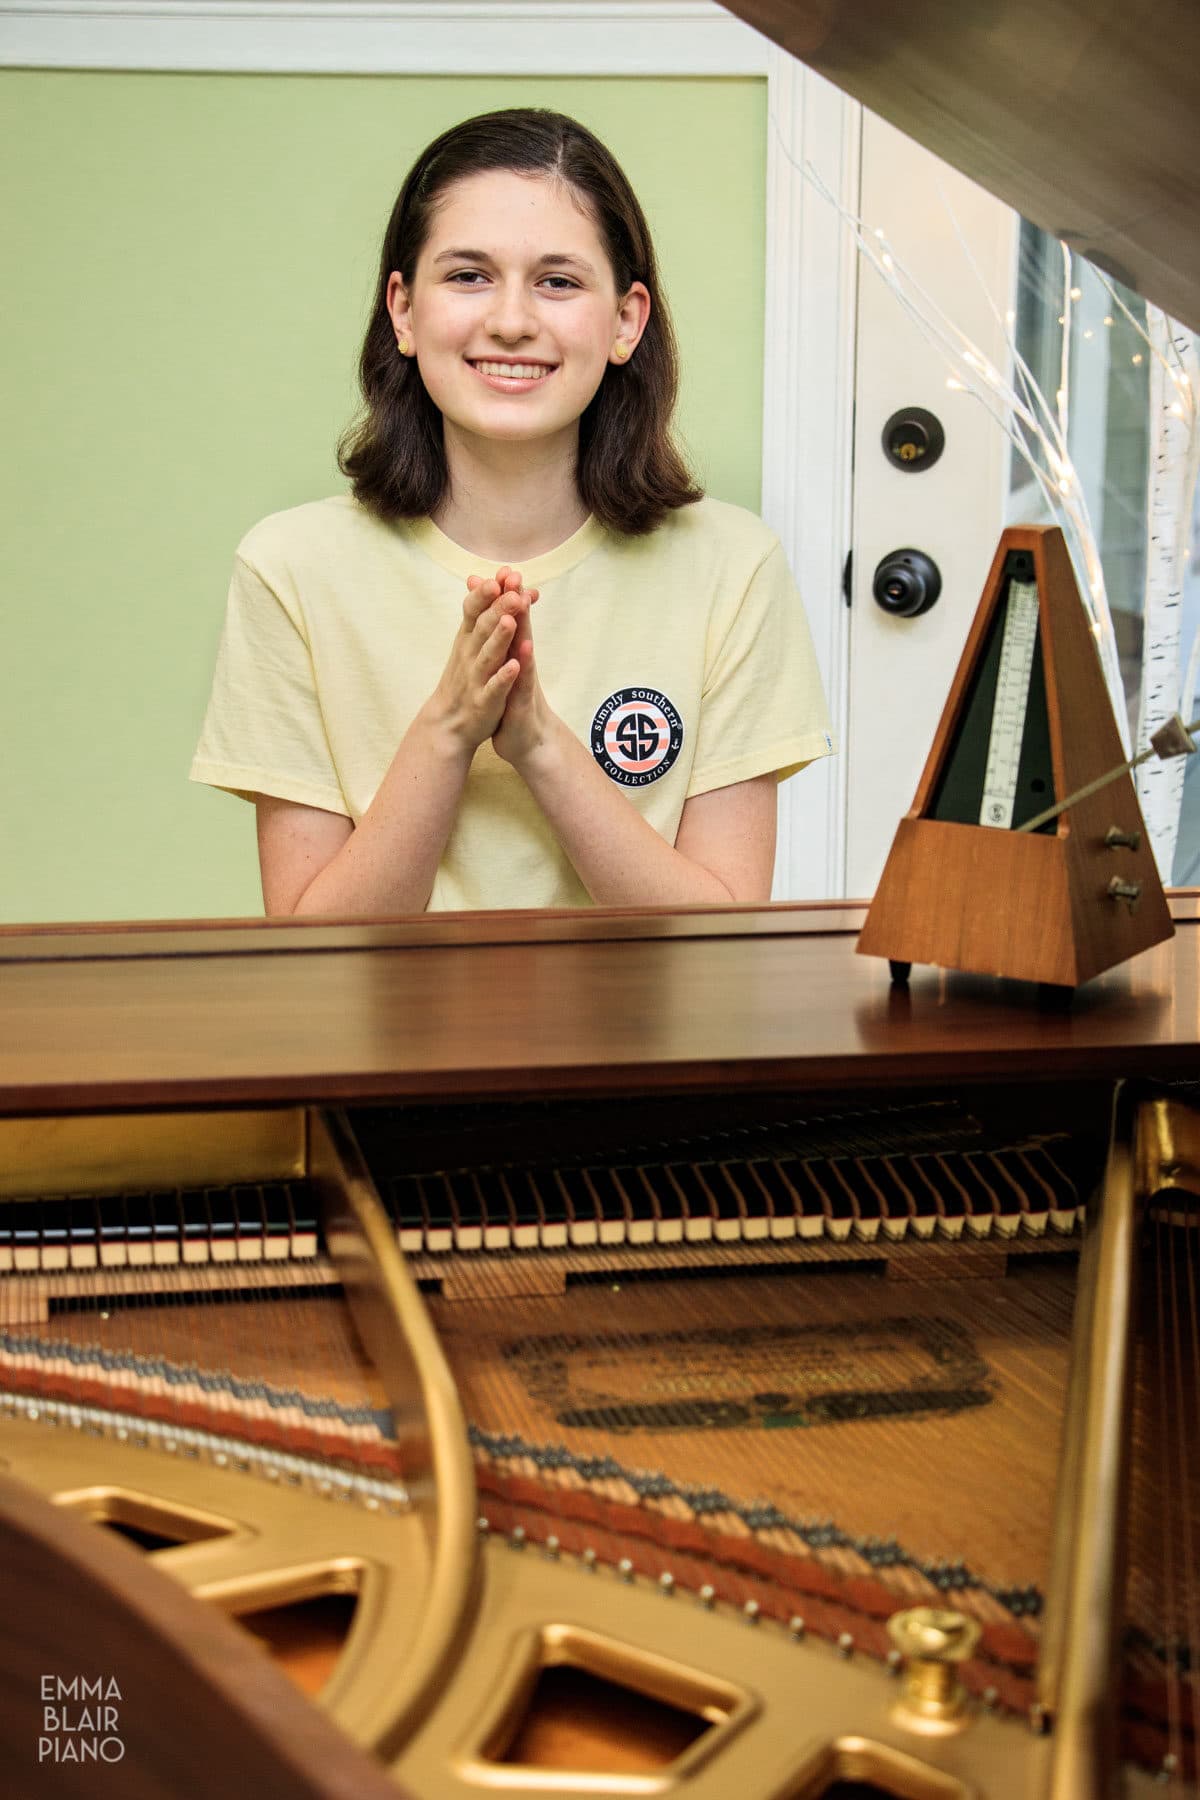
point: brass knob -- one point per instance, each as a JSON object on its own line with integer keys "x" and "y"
{"x": 931, "y": 1640}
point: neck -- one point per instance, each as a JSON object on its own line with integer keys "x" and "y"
{"x": 507, "y": 503}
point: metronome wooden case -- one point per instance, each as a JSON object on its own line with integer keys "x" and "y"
{"x": 1028, "y": 722}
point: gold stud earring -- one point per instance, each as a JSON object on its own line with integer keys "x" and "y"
{"x": 621, "y": 348}
{"x": 402, "y": 346}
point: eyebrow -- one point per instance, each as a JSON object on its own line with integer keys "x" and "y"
{"x": 554, "y": 256}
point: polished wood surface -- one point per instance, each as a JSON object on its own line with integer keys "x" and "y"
{"x": 197, "y": 1695}
{"x": 792, "y": 1006}
{"x": 100, "y": 941}
{"x": 1082, "y": 114}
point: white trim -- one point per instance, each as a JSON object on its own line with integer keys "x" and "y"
{"x": 811, "y": 269}
{"x": 808, "y": 384}
{"x": 383, "y": 37}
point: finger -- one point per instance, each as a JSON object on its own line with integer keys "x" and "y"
{"x": 503, "y": 679}
{"x": 523, "y": 654}
{"x": 511, "y": 606}
{"x": 496, "y": 645}
{"x": 523, "y": 633}
{"x": 479, "y": 599}
{"x": 524, "y": 623}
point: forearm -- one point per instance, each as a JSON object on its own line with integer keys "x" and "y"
{"x": 620, "y": 859}
{"x": 389, "y": 861}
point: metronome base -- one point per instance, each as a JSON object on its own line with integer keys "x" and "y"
{"x": 1022, "y": 905}
{"x": 1051, "y": 996}
{"x": 1054, "y": 998}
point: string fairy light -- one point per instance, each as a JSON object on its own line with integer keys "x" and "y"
{"x": 1037, "y": 429}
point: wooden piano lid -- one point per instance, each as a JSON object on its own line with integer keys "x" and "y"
{"x": 532, "y": 1004}
{"x": 1084, "y": 115}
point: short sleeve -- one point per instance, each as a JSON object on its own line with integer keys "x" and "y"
{"x": 263, "y": 732}
{"x": 763, "y": 708}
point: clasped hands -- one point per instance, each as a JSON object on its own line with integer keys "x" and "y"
{"x": 490, "y": 686}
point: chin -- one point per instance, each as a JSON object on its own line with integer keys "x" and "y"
{"x": 502, "y": 431}
{"x": 503, "y": 426}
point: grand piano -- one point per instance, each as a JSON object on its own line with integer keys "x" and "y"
{"x": 624, "y": 1352}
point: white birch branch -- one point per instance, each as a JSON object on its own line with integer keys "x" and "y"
{"x": 1170, "y": 489}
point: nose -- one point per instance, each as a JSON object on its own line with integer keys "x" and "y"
{"x": 510, "y": 312}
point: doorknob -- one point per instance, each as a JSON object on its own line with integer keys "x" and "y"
{"x": 907, "y": 582}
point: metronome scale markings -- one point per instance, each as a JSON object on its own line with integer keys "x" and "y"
{"x": 1011, "y": 703}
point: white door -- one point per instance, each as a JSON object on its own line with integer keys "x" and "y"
{"x": 991, "y": 282}
{"x": 841, "y": 504}
{"x": 958, "y": 245}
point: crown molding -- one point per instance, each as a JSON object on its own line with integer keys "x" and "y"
{"x": 383, "y": 37}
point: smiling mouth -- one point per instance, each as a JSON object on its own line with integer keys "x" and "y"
{"x": 515, "y": 371}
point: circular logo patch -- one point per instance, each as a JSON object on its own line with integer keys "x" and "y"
{"x": 636, "y": 736}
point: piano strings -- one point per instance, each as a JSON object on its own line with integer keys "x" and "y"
{"x": 847, "y": 1462}
{"x": 800, "y": 1383}
{"x": 1162, "y": 1664}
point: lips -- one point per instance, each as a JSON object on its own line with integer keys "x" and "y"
{"x": 512, "y": 362}
{"x": 487, "y": 369}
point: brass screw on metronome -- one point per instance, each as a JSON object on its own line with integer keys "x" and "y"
{"x": 932, "y": 1640}
{"x": 1116, "y": 839}
{"x": 1129, "y": 891}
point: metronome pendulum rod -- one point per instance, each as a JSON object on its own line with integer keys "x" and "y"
{"x": 1010, "y": 706}
{"x": 1172, "y": 739}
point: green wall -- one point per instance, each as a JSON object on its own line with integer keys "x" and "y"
{"x": 187, "y": 267}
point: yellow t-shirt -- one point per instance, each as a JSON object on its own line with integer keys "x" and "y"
{"x": 683, "y": 659}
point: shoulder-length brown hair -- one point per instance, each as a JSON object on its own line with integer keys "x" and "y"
{"x": 629, "y": 472}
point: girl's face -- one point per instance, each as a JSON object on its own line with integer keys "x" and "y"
{"x": 514, "y": 274}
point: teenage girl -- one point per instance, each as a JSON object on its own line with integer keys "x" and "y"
{"x": 525, "y": 662}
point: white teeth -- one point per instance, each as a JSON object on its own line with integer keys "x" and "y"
{"x": 516, "y": 371}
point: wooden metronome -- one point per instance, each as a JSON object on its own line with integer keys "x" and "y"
{"x": 1028, "y": 723}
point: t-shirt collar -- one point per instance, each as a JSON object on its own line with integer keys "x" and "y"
{"x": 534, "y": 570}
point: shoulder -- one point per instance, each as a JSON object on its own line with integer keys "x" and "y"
{"x": 286, "y": 541}
{"x": 732, "y": 537}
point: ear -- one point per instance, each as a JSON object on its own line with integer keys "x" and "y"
{"x": 632, "y": 315}
{"x": 398, "y": 305}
